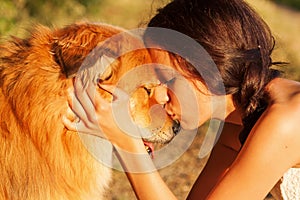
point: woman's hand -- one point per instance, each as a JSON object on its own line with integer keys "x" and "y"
{"x": 113, "y": 121}
{"x": 97, "y": 116}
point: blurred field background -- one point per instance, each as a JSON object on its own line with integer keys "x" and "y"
{"x": 19, "y": 16}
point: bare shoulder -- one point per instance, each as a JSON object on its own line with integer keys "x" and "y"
{"x": 282, "y": 118}
{"x": 272, "y": 147}
{"x": 276, "y": 135}
{"x": 283, "y": 91}
{"x": 285, "y": 103}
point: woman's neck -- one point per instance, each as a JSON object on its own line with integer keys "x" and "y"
{"x": 226, "y": 110}
{"x": 232, "y": 112}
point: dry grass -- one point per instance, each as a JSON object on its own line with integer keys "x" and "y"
{"x": 285, "y": 24}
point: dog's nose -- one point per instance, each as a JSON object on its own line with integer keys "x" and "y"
{"x": 176, "y": 127}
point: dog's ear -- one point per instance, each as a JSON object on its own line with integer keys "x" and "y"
{"x": 68, "y": 59}
{"x": 72, "y": 44}
{"x": 58, "y": 57}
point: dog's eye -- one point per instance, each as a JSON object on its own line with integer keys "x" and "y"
{"x": 148, "y": 90}
{"x": 169, "y": 82}
{"x": 105, "y": 76}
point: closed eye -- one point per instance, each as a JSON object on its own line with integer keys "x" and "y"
{"x": 169, "y": 82}
{"x": 166, "y": 76}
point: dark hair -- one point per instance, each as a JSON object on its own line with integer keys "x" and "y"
{"x": 238, "y": 40}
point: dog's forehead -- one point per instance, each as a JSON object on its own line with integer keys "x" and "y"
{"x": 120, "y": 44}
{"x": 75, "y": 43}
{"x": 87, "y": 35}
{"x": 82, "y": 29}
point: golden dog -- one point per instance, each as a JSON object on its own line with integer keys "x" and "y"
{"x": 40, "y": 159}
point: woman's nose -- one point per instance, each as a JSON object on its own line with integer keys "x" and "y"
{"x": 161, "y": 94}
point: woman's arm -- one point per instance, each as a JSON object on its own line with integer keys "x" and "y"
{"x": 271, "y": 149}
{"x": 140, "y": 170}
{"x": 220, "y": 159}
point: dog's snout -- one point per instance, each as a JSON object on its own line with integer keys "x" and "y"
{"x": 176, "y": 127}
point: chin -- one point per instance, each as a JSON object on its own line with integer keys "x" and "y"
{"x": 188, "y": 125}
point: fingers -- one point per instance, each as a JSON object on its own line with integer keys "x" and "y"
{"x": 68, "y": 124}
{"x": 93, "y": 110}
{"x": 82, "y": 106}
{"x": 108, "y": 88}
{"x": 80, "y": 127}
{"x": 117, "y": 93}
{"x": 95, "y": 98}
{"x": 82, "y": 102}
{"x": 76, "y": 107}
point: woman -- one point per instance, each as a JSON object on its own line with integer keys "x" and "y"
{"x": 263, "y": 108}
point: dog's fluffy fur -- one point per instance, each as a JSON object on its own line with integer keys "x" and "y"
{"x": 39, "y": 158}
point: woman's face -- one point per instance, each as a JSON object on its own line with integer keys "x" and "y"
{"x": 184, "y": 100}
